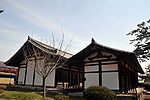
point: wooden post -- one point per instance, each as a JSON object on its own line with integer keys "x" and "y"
{"x": 100, "y": 73}
{"x": 18, "y": 75}
{"x": 25, "y": 77}
{"x": 120, "y": 75}
{"x": 35, "y": 61}
{"x": 69, "y": 77}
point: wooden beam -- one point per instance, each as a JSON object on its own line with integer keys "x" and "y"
{"x": 91, "y": 64}
{"x": 110, "y": 71}
{"x": 109, "y": 63}
{"x": 92, "y": 72}
{"x": 103, "y": 60}
{"x": 100, "y": 74}
{"x": 18, "y": 75}
{"x": 120, "y": 75}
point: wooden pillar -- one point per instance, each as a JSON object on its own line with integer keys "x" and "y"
{"x": 35, "y": 65}
{"x": 56, "y": 75}
{"x": 83, "y": 74}
{"x": 33, "y": 77}
{"x": 129, "y": 82}
{"x": 120, "y": 76}
{"x": 25, "y": 77}
{"x": 100, "y": 73}
{"x": 18, "y": 75}
{"x": 78, "y": 77}
{"x": 69, "y": 76}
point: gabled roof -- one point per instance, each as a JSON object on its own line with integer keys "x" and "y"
{"x": 128, "y": 57}
{"x": 19, "y": 57}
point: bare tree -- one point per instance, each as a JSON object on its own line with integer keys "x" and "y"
{"x": 46, "y": 60}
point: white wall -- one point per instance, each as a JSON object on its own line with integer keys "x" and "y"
{"x": 91, "y": 79}
{"x": 92, "y": 68}
{"x": 30, "y": 71}
{"x": 38, "y": 79}
{"x": 110, "y": 80}
{"x": 110, "y": 67}
{"x": 50, "y": 81}
{"x": 21, "y": 75}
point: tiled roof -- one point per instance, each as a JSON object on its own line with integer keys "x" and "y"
{"x": 18, "y": 56}
{"x": 127, "y": 56}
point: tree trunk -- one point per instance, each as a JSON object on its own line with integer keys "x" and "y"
{"x": 44, "y": 87}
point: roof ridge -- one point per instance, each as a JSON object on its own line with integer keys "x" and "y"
{"x": 46, "y": 46}
{"x": 39, "y": 42}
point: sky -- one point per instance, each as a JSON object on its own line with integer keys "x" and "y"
{"x": 107, "y": 21}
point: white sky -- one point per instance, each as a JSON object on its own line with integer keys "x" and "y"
{"x": 107, "y": 21}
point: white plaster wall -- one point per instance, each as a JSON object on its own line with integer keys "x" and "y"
{"x": 110, "y": 80}
{"x": 21, "y": 75}
{"x": 91, "y": 68}
{"x": 109, "y": 67}
{"x": 50, "y": 81}
{"x": 91, "y": 79}
{"x": 38, "y": 79}
{"x": 30, "y": 71}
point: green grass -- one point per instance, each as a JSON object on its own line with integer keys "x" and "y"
{"x": 14, "y": 95}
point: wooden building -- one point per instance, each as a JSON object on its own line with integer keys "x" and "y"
{"x": 27, "y": 75}
{"x": 94, "y": 65}
{"x": 101, "y": 65}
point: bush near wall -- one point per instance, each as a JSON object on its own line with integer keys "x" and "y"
{"x": 57, "y": 95}
{"x": 2, "y": 87}
{"x": 98, "y": 93}
{"x": 15, "y": 95}
{"x": 2, "y": 91}
{"x": 23, "y": 88}
{"x": 24, "y": 93}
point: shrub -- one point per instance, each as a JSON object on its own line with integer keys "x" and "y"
{"x": 14, "y": 95}
{"x": 2, "y": 87}
{"x": 57, "y": 95}
{"x": 61, "y": 97}
{"x": 98, "y": 93}
{"x": 23, "y": 88}
{"x": 2, "y": 91}
{"x": 51, "y": 93}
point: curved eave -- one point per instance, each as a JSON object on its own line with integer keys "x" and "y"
{"x": 132, "y": 61}
{"x": 16, "y": 58}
